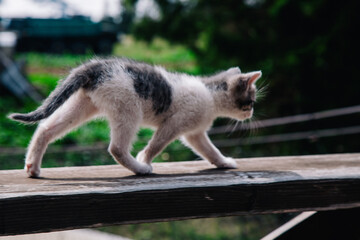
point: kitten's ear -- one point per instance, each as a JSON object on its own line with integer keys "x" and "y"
{"x": 234, "y": 71}
{"x": 243, "y": 81}
{"x": 253, "y": 77}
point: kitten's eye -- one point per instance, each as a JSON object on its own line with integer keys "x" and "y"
{"x": 249, "y": 103}
{"x": 246, "y": 105}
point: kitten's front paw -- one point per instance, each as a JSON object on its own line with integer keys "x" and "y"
{"x": 227, "y": 163}
{"x": 32, "y": 170}
{"x": 143, "y": 169}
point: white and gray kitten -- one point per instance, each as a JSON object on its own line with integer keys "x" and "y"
{"x": 131, "y": 94}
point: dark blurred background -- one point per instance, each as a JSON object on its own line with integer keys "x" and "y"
{"x": 307, "y": 50}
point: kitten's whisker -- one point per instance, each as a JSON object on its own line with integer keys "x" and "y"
{"x": 261, "y": 91}
{"x": 255, "y": 125}
{"x": 228, "y": 126}
{"x": 234, "y": 128}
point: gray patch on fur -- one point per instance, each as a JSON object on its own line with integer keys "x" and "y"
{"x": 93, "y": 75}
{"x": 148, "y": 83}
{"x": 217, "y": 86}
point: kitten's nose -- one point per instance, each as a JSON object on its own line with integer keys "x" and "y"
{"x": 248, "y": 106}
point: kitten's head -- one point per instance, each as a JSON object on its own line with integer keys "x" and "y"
{"x": 242, "y": 92}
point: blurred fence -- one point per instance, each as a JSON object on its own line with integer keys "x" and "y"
{"x": 101, "y": 147}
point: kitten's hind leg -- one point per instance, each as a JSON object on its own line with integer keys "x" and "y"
{"x": 76, "y": 110}
{"x": 201, "y": 144}
{"x": 123, "y": 130}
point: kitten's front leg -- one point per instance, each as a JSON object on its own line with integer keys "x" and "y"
{"x": 161, "y": 138}
{"x": 201, "y": 144}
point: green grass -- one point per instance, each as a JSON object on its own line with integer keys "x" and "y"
{"x": 173, "y": 57}
{"x": 44, "y": 82}
{"x": 159, "y": 51}
{"x": 227, "y": 228}
{"x": 12, "y": 133}
{"x": 45, "y": 61}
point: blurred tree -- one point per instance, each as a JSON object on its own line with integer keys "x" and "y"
{"x": 307, "y": 50}
{"x": 127, "y": 15}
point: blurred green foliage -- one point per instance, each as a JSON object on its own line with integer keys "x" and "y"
{"x": 158, "y": 51}
{"x": 228, "y": 228}
{"x": 307, "y": 50}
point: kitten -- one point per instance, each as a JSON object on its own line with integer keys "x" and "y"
{"x": 131, "y": 94}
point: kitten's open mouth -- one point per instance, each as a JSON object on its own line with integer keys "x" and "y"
{"x": 248, "y": 113}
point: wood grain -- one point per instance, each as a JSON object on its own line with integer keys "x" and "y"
{"x": 78, "y": 197}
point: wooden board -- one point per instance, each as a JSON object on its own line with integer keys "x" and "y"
{"x": 78, "y": 197}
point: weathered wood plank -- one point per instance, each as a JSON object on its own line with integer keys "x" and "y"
{"x": 77, "y": 197}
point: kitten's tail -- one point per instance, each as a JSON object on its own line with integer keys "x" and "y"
{"x": 61, "y": 93}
